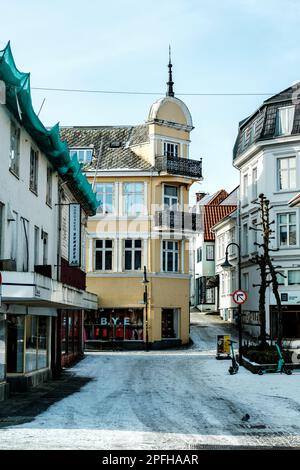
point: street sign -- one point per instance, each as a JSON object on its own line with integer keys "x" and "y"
{"x": 240, "y": 296}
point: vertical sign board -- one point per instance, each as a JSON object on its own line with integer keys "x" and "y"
{"x": 0, "y": 289}
{"x": 223, "y": 345}
{"x": 74, "y": 235}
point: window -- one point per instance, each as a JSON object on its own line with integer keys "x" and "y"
{"x": 103, "y": 255}
{"x": 24, "y": 244}
{"x": 280, "y": 278}
{"x": 83, "y": 155}
{"x": 245, "y": 239}
{"x": 133, "y": 198}
{"x": 133, "y": 254}
{"x": 14, "y": 148}
{"x": 246, "y": 281}
{"x": 286, "y": 171}
{"x": 244, "y": 139}
{"x": 284, "y": 120}
{"x": 232, "y": 248}
{"x": 233, "y": 281}
{"x": 171, "y": 197}
{"x": 36, "y": 356}
{"x": 287, "y": 229}
{"x": 245, "y": 189}
{"x": 170, "y": 256}
{"x": 199, "y": 254}
{"x": 33, "y": 177}
{"x": 49, "y": 186}
{"x": 252, "y": 133}
{"x": 294, "y": 278}
{"x": 169, "y": 323}
{"x": 36, "y": 245}
{"x": 170, "y": 149}
{"x": 254, "y": 183}
{"x": 210, "y": 296}
{"x": 45, "y": 247}
{"x": 1, "y": 228}
{"x": 210, "y": 253}
{"x": 221, "y": 246}
{"x": 13, "y": 229}
{"x": 254, "y": 236}
{"x": 105, "y": 196}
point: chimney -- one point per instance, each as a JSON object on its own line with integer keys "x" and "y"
{"x": 200, "y": 196}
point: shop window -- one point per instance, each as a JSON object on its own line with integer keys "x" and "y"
{"x": 2, "y": 347}
{"x": 15, "y": 343}
{"x": 42, "y": 342}
{"x": 114, "y": 325}
{"x": 169, "y": 323}
{"x": 70, "y": 332}
{"x": 76, "y": 332}
{"x": 64, "y": 332}
{"x": 31, "y": 343}
{"x": 294, "y": 277}
{"x": 290, "y": 323}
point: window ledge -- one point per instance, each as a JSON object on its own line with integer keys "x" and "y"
{"x": 286, "y": 191}
{"x": 33, "y": 191}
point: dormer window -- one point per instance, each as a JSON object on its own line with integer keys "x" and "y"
{"x": 84, "y": 155}
{"x": 171, "y": 149}
{"x": 285, "y": 120}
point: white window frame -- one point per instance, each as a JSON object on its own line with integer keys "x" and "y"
{"x": 171, "y": 149}
{"x": 36, "y": 258}
{"x": 84, "y": 151}
{"x": 288, "y": 171}
{"x": 34, "y": 170}
{"x": 104, "y": 249}
{"x": 15, "y": 142}
{"x": 245, "y": 239}
{"x": 134, "y": 212}
{"x": 210, "y": 253}
{"x": 133, "y": 250}
{"x": 105, "y": 194}
{"x": 173, "y": 201}
{"x": 288, "y": 230}
{"x": 175, "y": 254}
{"x": 245, "y": 189}
{"x": 254, "y": 183}
{"x": 278, "y": 126}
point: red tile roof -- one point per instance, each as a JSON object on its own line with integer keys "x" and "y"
{"x": 212, "y": 215}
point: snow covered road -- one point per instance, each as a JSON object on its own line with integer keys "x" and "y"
{"x": 180, "y": 399}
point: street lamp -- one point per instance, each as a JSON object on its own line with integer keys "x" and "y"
{"x": 145, "y": 282}
{"x": 226, "y": 266}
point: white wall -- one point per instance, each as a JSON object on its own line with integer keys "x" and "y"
{"x": 16, "y": 195}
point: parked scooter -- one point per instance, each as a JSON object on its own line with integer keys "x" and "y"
{"x": 234, "y": 368}
{"x": 281, "y": 365}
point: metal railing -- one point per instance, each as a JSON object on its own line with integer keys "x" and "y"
{"x": 179, "y": 166}
{"x": 177, "y": 221}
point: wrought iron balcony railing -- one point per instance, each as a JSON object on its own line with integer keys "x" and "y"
{"x": 177, "y": 221}
{"x": 179, "y": 166}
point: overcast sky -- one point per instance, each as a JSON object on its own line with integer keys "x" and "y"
{"x": 218, "y": 46}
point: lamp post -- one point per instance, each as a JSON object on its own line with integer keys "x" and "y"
{"x": 227, "y": 265}
{"x": 145, "y": 282}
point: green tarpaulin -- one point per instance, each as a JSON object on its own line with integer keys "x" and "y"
{"x": 19, "y": 102}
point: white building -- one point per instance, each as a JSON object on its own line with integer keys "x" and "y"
{"x": 267, "y": 154}
{"x": 212, "y": 208}
{"x": 43, "y": 296}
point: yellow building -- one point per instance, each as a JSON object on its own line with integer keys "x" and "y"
{"x": 142, "y": 176}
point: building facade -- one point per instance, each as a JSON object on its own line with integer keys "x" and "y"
{"x": 142, "y": 176}
{"x": 43, "y": 295}
{"x": 267, "y": 154}
{"x": 212, "y": 209}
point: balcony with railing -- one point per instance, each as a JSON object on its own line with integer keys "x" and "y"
{"x": 179, "y": 166}
{"x": 177, "y": 221}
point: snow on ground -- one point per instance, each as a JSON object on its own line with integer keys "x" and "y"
{"x": 179, "y": 399}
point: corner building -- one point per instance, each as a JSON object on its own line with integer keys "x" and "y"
{"x": 142, "y": 176}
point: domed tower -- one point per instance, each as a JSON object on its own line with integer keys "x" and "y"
{"x": 170, "y": 123}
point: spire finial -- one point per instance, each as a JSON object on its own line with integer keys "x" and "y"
{"x": 170, "y": 83}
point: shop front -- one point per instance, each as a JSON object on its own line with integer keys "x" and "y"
{"x": 113, "y": 325}
{"x": 28, "y": 346}
{"x": 70, "y": 323}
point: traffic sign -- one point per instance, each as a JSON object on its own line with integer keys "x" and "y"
{"x": 240, "y": 296}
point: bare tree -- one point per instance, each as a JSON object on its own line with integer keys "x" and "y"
{"x": 268, "y": 272}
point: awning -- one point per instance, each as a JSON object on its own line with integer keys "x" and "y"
{"x": 212, "y": 281}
